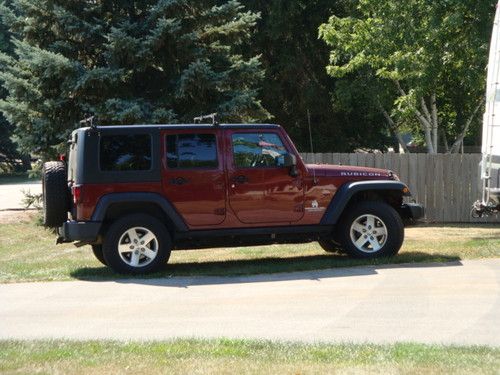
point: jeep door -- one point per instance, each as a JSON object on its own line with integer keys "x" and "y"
{"x": 261, "y": 189}
{"x": 193, "y": 175}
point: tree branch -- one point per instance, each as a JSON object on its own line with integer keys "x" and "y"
{"x": 426, "y": 125}
{"x": 425, "y": 109}
{"x": 394, "y": 128}
{"x": 460, "y": 139}
{"x": 435, "y": 121}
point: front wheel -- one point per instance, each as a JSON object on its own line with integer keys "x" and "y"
{"x": 137, "y": 244}
{"x": 330, "y": 246}
{"x": 372, "y": 229}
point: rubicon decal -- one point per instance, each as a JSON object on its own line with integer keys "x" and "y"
{"x": 361, "y": 174}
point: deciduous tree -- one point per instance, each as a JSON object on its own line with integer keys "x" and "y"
{"x": 429, "y": 56}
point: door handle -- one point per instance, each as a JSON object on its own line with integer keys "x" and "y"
{"x": 240, "y": 179}
{"x": 178, "y": 181}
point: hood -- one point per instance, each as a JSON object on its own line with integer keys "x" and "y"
{"x": 327, "y": 170}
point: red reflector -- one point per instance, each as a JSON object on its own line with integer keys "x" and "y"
{"x": 76, "y": 191}
{"x": 62, "y": 157}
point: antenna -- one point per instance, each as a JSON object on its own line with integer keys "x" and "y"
{"x": 311, "y": 142}
{"x": 212, "y": 116}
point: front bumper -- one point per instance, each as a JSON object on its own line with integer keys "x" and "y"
{"x": 83, "y": 231}
{"x": 412, "y": 211}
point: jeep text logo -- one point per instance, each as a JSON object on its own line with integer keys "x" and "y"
{"x": 361, "y": 174}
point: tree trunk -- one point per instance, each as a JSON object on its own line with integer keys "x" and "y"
{"x": 435, "y": 122}
{"x": 460, "y": 139}
{"x": 445, "y": 141}
{"x": 394, "y": 128}
{"x": 424, "y": 123}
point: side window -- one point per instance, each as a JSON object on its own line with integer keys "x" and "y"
{"x": 258, "y": 150}
{"x": 191, "y": 151}
{"x": 130, "y": 152}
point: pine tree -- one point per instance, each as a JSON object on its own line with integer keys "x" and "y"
{"x": 8, "y": 149}
{"x": 156, "y": 61}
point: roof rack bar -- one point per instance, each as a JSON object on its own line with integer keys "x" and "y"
{"x": 90, "y": 121}
{"x": 212, "y": 116}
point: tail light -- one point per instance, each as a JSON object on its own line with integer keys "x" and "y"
{"x": 62, "y": 157}
{"x": 76, "y": 192}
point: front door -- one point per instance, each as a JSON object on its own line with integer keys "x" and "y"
{"x": 193, "y": 175}
{"x": 261, "y": 189}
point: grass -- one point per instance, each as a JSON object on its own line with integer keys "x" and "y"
{"x": 28, "y": 253}
{"x": 241, "y": 357}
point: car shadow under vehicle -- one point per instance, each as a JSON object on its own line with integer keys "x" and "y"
{"x": 267, "y": 269}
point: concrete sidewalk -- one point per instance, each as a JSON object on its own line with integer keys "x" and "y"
{"x": 11, "y": 195}
{"x": 453, "y": 303}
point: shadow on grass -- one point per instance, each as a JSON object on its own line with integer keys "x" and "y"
{"x": 269, "y": 269}
{"x": 487, "y": 237}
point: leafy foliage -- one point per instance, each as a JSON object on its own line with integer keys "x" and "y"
{"x": 296, "y": 80}
{"x": 162, "y": 61}
{"x": 153, "y": 61}
{"x": 420, "y": 53}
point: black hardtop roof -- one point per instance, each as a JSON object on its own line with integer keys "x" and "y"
{"x": 187, "y": 126}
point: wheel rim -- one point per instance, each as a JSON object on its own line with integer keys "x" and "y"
{"x": 368, "y": 233}
{"x": 138, "y": 247}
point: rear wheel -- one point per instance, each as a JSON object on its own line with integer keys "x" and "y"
{"x": 371, "y": 229}
{"x": 55, "y": 194}
{"x": 97, "y": 250}
{"x": 137, "y": 244}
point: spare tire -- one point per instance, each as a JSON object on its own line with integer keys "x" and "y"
{"x": 55, "y": 194}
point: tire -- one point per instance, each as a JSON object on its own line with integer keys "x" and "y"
{"x": 371, "y": 229}
{"x": 124, "y": 251}
{"x": 55, "y": 194}
{"x": 330, "y": 246}
{"x": 97, "y": 250}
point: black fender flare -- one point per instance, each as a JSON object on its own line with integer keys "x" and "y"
{"x": 349, "y": 189}
{"x": 112, "y": 198}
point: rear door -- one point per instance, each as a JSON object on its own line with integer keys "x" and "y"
{"x": 261, "y": 189}
{"x": 193, "y": 175}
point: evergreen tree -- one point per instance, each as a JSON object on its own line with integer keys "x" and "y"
{"x": 8, "y": 149}
{"x": 156, "y": 61}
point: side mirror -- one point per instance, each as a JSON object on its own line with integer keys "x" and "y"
{"x": 290, "y": 161}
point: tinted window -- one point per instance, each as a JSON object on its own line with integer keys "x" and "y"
{"x": 192, "y": 151}
{"x": 258, "y": 150}
{"x": 125, "y": 152}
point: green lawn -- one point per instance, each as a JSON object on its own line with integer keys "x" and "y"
{"x": 28, "y": 253}
{"x": 241, "y": 357}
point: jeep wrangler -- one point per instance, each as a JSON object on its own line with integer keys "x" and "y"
{"x": 135, "y": 193}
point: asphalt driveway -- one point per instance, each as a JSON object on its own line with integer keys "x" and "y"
{"x": 453, "y": 303}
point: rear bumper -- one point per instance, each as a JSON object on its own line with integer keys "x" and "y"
{"x": 412, "y": 211}
{"x": 84, "y": 231}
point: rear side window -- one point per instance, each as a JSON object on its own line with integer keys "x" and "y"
{"x": 130, "y": 152}
{"x": 191, "y": 151}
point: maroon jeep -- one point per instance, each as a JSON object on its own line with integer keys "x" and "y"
{"x": 137, "y": 192}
